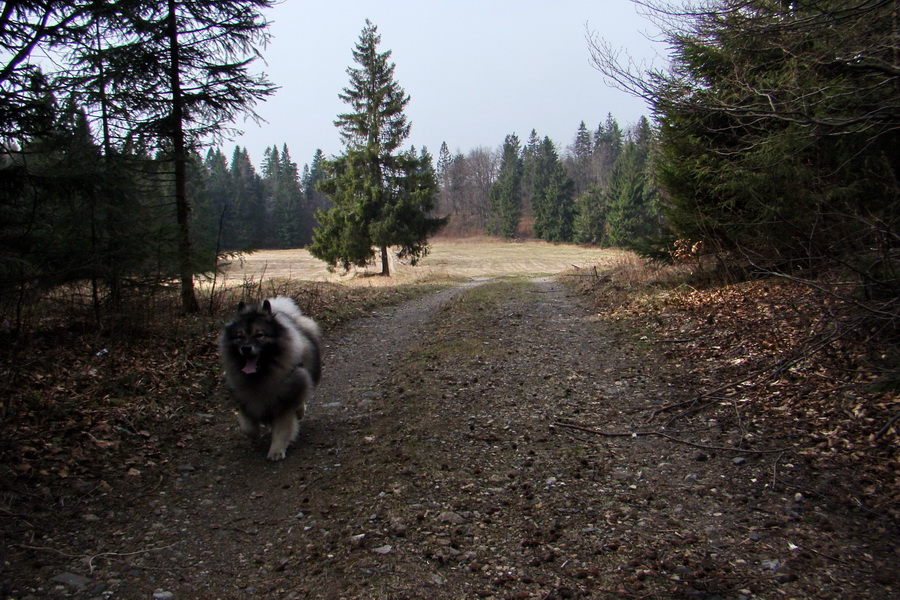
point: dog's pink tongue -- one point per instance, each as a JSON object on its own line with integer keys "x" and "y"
{"x": 250, "y": 367}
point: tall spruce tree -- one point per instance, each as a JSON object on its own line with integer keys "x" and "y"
{"x": 172, "y": 72}
{"x": 382, "y": 196}
{"x": 314, "y": 201}
{"x": 590, "y": 217}
{"x": 159, "y": 75}
{"x": 27, "y": 27}
{"x": 281, "y": 178}
{"x": 633, "y": 210}
{"x": 581, "y": 158}
{"x": 553, "y": 205}
{"x": 445, "y": 159}
{"x": 248, "y": 198}
{"x": 212, "y": 215}
{"x": 779, "y": 129}
{"x": 530, "y": 153}
{"x": 505, "y": 197}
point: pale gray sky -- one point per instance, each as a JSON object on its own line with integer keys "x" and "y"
{"x": 476, "y": 70}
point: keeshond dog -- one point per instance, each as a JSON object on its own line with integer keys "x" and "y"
{"x": 271, "y": 357}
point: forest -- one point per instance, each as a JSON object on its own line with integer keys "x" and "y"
{"x": 578, "y": 195}
{"x": 706, "y": 407}
{"x": 102, "y": 185}
{"x": 771, "y": 148}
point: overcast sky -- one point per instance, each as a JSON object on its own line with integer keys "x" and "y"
{"x": 475, "y": 70}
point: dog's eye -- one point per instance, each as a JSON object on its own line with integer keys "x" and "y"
{"x": 259, "y": 335}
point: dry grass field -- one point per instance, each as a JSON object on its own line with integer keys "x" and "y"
{"x": 465, "y": 258}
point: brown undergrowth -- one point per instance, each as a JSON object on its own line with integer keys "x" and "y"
{"x": 810, "y": 365}
{"x": 88, "y": 401}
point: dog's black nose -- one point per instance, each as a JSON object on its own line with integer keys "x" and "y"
{"x": 247, "y": 350}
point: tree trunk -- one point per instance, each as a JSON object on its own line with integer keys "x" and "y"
{"x": 385, "y": 263}
{"x": 182, "y": 209}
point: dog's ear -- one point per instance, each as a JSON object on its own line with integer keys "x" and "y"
{"x": 241, "y": 306}
{"x": 267, "y": 307}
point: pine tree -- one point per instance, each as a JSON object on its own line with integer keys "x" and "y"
{"x": 248, "y": 197}
{"x": 634, "y": 212}
{"x": 598, "y": 138}
{"x": 171, "y": 72}
{"x": 607, "y": 147}
{"x": 581, "y": 159}
{"x": 529, "y": 168}
{"x": 293, "y": 209}
{"x": 582, "y": 147}
{"x": 382, "y": 196}
{"x": 779, "y": 132}
{"x": 445, "y": 159}
{"x": 160, "y": 75}
{"x": 276, "y": 200}
{"x": 313, "y": 200}
{"x": 25, "y": 28}
{"x": 612, "y": 137}
{"x": 553, "y": 196}
{"x": 590, "y": 217}
{"x": 505, "y": 198}
{"x": 271, "y": 164}
{"x": 284, "y": 197}
{"x": 210, "y": 202}
{"x": 70, "y": 213}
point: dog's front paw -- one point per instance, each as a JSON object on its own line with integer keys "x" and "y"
{"x": 276, "y": 455}
{"x": 248, "y": 426}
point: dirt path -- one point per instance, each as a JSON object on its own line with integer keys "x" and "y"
{"x": 436, "y": 463}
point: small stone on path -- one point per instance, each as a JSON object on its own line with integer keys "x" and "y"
{"x": 71, "y": 580}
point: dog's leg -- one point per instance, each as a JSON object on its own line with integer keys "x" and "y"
{"x": 284, "y": 431}
{"x": 248, "y": 425}
{"x": 301, "y": 409}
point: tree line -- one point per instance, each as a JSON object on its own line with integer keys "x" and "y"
{"x": 773, "y": 144}
{"x": 779, "y": 124}
{"x": 239, "y": 208}
{"x": 100, "y": 106}
{"x": 599, "y": 191}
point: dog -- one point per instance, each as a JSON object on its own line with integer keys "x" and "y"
{"x": 271, "y": 356}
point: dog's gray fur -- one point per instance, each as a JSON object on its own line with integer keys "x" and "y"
{"x": 271, "y": 357}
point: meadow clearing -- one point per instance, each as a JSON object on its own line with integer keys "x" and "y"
{"x": 465, "y": 258}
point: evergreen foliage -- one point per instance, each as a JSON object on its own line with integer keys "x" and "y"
{"x": 607, "y": 147}
{"x": 314, "y": 201}
{"x": 552, "y": 202}
{"x": 70, "y": 214}
{"x": 286, "y": 199}
{"x": 633, "y": 200}
{"x": 172, "y": 72}
{"x": 590, "y": 217}
{"x": 249, "y": 201}
{"x": 505, "y": 198}
{"x": 213, "y": 220}
{"x": 236, "y": 209}
{"x": 445, "y": 161}
{"x": 147, "y": 76}
{"x": 534, "y": 191}
{"x": 530, "y": 157}
{"x": 778, "y": 132}
{"x": 582, "y": 158}
{"x": 382, "y": 196}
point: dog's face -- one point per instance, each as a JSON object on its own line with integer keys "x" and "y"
{"x": 252, "y": 338}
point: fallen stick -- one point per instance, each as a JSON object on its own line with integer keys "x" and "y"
{"x": 671, "y": 438}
